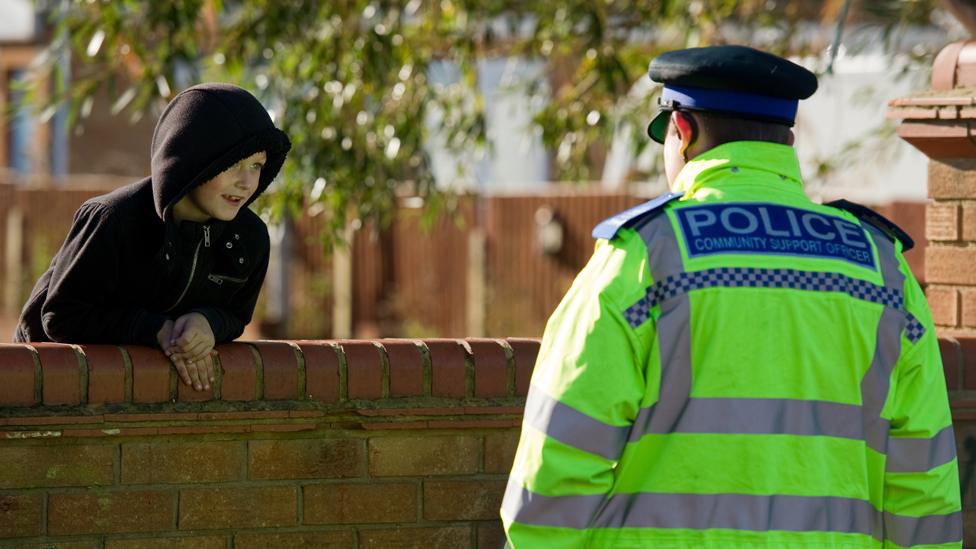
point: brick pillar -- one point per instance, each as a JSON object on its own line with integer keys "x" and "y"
{"x": 941, "y": 122}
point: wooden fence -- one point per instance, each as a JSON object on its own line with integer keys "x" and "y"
{"x": 481, "y": 270}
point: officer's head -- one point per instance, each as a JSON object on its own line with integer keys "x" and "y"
{"x": 720, "y": 94}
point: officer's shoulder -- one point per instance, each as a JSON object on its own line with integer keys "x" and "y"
{"x": 609, "y": 227}
{"x": 885, "y": 225}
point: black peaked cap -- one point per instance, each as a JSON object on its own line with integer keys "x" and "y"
{"x": 737, "y": 68}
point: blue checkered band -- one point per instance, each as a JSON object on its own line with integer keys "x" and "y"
{"x": 745, "y": 277}
{"x": 914, "y": 331}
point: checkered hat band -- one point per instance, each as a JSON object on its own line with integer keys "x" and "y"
{"x": 744, "y": 277}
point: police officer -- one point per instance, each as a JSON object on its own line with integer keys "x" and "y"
{"x": 737, "y": 366}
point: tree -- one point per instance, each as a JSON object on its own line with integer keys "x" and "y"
{"x": 348, "y": 79}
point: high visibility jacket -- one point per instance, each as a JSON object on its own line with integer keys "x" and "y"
{"x": 738, "y": 366}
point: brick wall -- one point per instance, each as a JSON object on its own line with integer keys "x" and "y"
{"x": 386, "y": 443}
{"x": 389, "y": 443}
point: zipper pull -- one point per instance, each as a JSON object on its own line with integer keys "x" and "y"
{"x": 206, "y": 236}
{"x": 215, "y": 280}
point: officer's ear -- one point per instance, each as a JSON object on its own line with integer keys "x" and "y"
{"x": 686, "y": 128}
{"x": 791, "y": 138}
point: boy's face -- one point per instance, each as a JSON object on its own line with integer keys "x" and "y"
{"x": 222, "y": 197}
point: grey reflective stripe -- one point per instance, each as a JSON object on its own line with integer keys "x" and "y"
{"x": 729, "y": 511}
{"x": 877, "y": 380}
{"x": 673, "y": 326}
{"x": 698, "y": 511}
{"x": 572, "y": 427}
{"x": 928, "y": 530}
{"x": 526, "y": 507}
{"x": 755, "y": 416}
{"x": 906, "y": 455}
{"x": 741, "y": 512}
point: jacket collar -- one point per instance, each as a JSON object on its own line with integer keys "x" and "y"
{"x": 772, "y": 158}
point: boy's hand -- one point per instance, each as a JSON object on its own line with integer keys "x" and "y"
{"x": 196, "y": 374}
{"x": 165, "y": 335}
{"x": 192, "y": 338}
{"x": 190, "y": 348}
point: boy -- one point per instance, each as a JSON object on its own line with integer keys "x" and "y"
{"x": 176, "y": 259}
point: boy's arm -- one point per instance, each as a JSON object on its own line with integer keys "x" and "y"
{"x": 79, "y": 307}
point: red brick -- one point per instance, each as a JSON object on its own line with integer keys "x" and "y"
{"x": 525, "y": 351}
{"x": 194, "y": 542}
{"x": 181, "y": 462}
{"x": 500, "y": 451}
{"x": 106, "y": 374}
{"x": 52, "y": 420}
{"x": 942, "y": 221}
{"x": 969, "y": 220}
{"x": 89, "y": 544}
{"x": 282, "y": 427}
{"x": 55, "y": 465}
{"x": 406, "y": 368}
{"x": 452, "y": 537}
{"x": 280, "y": 370}
{"x": 61, "y": 372}
{"x": 20, "y": 515}
{"x": 491, "y": 536}
{"x": 967, "y": 347}
{"x": 950, "y": 352}
{"x": 950, "y": 265}
{"x": 306, "y": 458}
{"x": 968, "y": 307}
{"x": 490, "y": 368}
{"x": 462, "y": 499}
{"x": 106, "y": 512}
{"x": 238, "y": 508}
{"x": 16, "y": 376}
{"x": 424, "y": 455}
{"x": 948, "y": 113}
{"x": 372, "y": 503}
{"x": 448, "y": 368}
{"x": 944, "y": 303}
{"x": 151, "y": 372}
{"x": 334, "y": 539}
{"x": 393, "y": 425}
{"x": 460, "y": 423}
{"x": 916, "y": 113}
{"x": 238, "y": 372}
{"x": 954, "y": 178}
{"x": 321, "y": 371}
{"x": 364, "y": 370}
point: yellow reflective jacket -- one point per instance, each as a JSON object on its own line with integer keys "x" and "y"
{"x": 738, "y": 366}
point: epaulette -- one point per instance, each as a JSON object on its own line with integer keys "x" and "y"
{"x": 885, "y": 225}
{"x": 609, "y": 227}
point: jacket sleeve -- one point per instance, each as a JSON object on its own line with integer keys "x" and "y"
{"x": 922, "y": 505}
{"x": 583, "y": 398}
{"x": 81, "y": 306}
{"x": 228, "y": 322}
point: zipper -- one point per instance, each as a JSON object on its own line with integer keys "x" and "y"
{"x": 206, "y": 236}
{"x": 219, "y": 279}
{"x": 193, "y": 270}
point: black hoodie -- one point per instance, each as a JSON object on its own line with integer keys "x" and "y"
{"x": 127, "y": 266}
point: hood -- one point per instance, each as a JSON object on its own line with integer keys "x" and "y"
{"x": 205, "y": 130}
